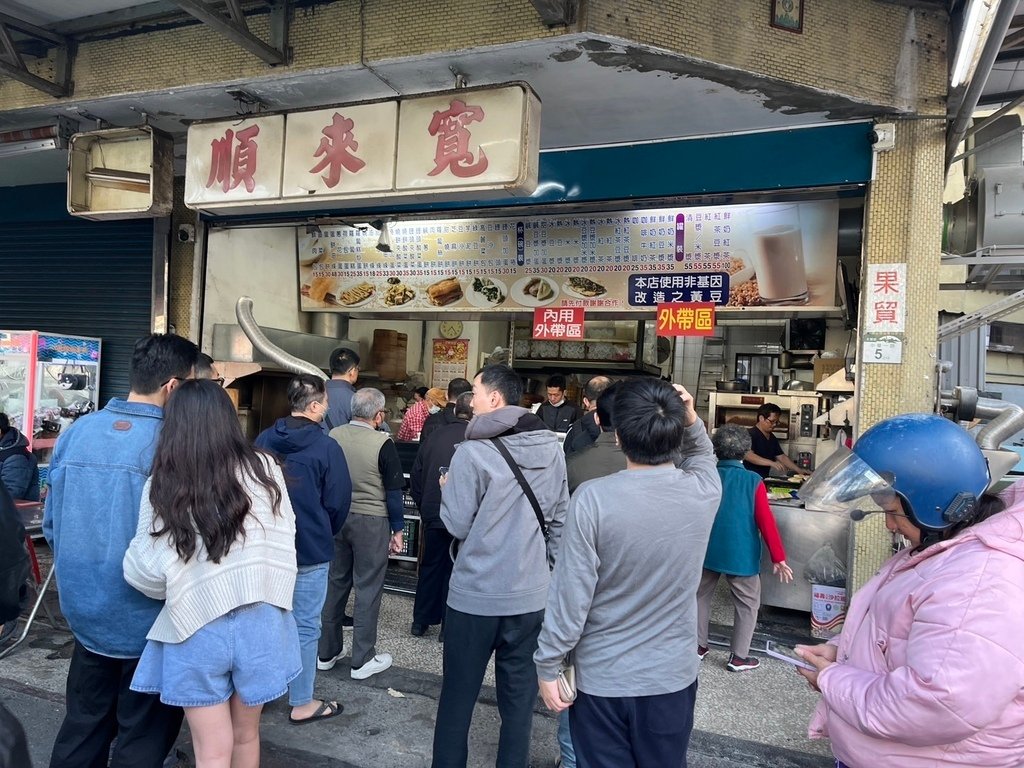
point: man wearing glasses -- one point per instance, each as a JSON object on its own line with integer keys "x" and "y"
{"x": 765, "y": 453}
{"x": 372, "y": 531}
{"x": 205, "y": 369}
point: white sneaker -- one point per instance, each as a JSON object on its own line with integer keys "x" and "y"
{"x": 325, "y": 664}
{"x": 378, "y": 663}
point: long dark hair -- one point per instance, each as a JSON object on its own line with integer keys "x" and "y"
{"x": 196, "y": 487}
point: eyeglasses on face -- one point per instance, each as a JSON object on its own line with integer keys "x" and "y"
{"x": 178, "y": 379}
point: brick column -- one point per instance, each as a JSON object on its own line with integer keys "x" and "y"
{"x": 903, "y": 225}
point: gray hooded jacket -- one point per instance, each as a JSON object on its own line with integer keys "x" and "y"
{"x": 502, "y": 566}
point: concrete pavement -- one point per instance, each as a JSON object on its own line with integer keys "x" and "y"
{"x": 755, "y": 718}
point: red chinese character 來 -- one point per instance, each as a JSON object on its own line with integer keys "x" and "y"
{"x": 453, "y": 140}
{"x": 337, "y": 147}
{"x": 232, "y": 164}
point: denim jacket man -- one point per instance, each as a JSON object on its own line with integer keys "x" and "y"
{"x": 97, "y": 473}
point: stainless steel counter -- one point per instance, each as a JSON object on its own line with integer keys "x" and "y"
{"x": 803, "y": 533}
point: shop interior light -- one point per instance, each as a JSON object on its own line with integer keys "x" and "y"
{"x": 131, "y": 181}
{"x": 977, "y": 25}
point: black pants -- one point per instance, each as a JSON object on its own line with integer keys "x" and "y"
{"x": 633, "y": 731}
{"x": 100, "y": 706}
{"x": 435, "y": 573}
{"x": 469, "y": 642}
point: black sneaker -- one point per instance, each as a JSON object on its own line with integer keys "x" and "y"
{"x": 418, "y": 630}
{"x": 702, "y": 651}
{"x": 738, "y": 664}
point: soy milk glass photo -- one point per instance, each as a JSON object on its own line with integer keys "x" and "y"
{"x": 778, "y": 254}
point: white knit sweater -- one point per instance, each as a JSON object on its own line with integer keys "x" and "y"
{"x": 260, "y": 568}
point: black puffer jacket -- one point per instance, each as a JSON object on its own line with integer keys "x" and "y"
{"x": 14, "y": 567}
{"x": 423, "y": 480}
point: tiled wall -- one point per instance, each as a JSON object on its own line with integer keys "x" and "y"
{"x": 870, "y": 51}
{"x": 904, "y": 224}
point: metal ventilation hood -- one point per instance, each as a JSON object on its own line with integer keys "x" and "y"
{"x": 281, "y": 350}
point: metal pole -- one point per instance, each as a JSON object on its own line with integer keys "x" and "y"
{"x": 994, "y": 42}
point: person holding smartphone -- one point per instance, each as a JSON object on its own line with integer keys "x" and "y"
{"x": 929, "y": 667}
{"x": 636, "y": 673}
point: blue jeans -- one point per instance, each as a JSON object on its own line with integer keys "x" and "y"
{"x": 307, "y": 603}
{"x": 565, "y": 740}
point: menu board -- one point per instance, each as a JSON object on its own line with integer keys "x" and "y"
{"x": 766, "y": 255}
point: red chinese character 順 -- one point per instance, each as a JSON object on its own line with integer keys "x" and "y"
{"x": 453, "y": 140}
{"x": 232, "y": 164}
{"x": 337, "y": 147}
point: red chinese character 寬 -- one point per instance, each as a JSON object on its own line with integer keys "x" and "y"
{"x": 453, "y": 140}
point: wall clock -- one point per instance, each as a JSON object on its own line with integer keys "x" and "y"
{"x": 450, "y": 329}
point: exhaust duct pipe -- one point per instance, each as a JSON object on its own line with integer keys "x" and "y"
{"x": 246, "y": 321}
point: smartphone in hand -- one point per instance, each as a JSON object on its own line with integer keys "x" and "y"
{"x": 788, "y": 655}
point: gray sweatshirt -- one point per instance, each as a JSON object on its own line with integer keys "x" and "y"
{"x": 502, "y": 566}
{"x": 624, "y": 592}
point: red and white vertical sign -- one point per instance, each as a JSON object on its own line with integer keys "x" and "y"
{"x": 886, "y": 298}
{"x": 558, "y": 324}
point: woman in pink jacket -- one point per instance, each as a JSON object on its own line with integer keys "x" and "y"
{"x": 929, "y": 668}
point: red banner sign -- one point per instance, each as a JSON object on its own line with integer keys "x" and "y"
{"x": 686, "y": 319}
{"x": 558, "y": 324}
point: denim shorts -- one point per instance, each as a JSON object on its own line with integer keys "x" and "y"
{"x": 252, "y": 651}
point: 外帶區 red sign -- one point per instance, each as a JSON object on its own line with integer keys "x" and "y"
{"x": 686, "y": 319}
{"x": 559, "y": 324}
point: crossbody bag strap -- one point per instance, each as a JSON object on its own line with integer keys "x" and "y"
{"x": 530, "y": 495}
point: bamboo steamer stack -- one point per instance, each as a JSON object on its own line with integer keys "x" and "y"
{"x": 390, "y": 350}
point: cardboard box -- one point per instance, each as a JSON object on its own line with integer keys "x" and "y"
{"x": 826, "y": 367}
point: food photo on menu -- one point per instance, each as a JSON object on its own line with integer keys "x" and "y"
{"x": 444, "y": 292}
{"x": 737, "y": 256}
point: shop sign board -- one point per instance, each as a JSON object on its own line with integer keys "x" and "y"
{"x": 473, "y": 142}
{"x": 736, "y": 257}
{"x": 234, "y": 160}
{"x": 685, "y": 319}
{"x": 465, "y": 138}
{"x": 344, "y": 151}
{"x": 558, "y": 324}
{"x": 886, "y": 310}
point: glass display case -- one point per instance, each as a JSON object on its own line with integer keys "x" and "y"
{"x": 623, "y": 345}
{"x": 46, "y": 382}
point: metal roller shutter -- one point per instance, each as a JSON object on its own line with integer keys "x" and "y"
{"x": 80, "y": 277}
